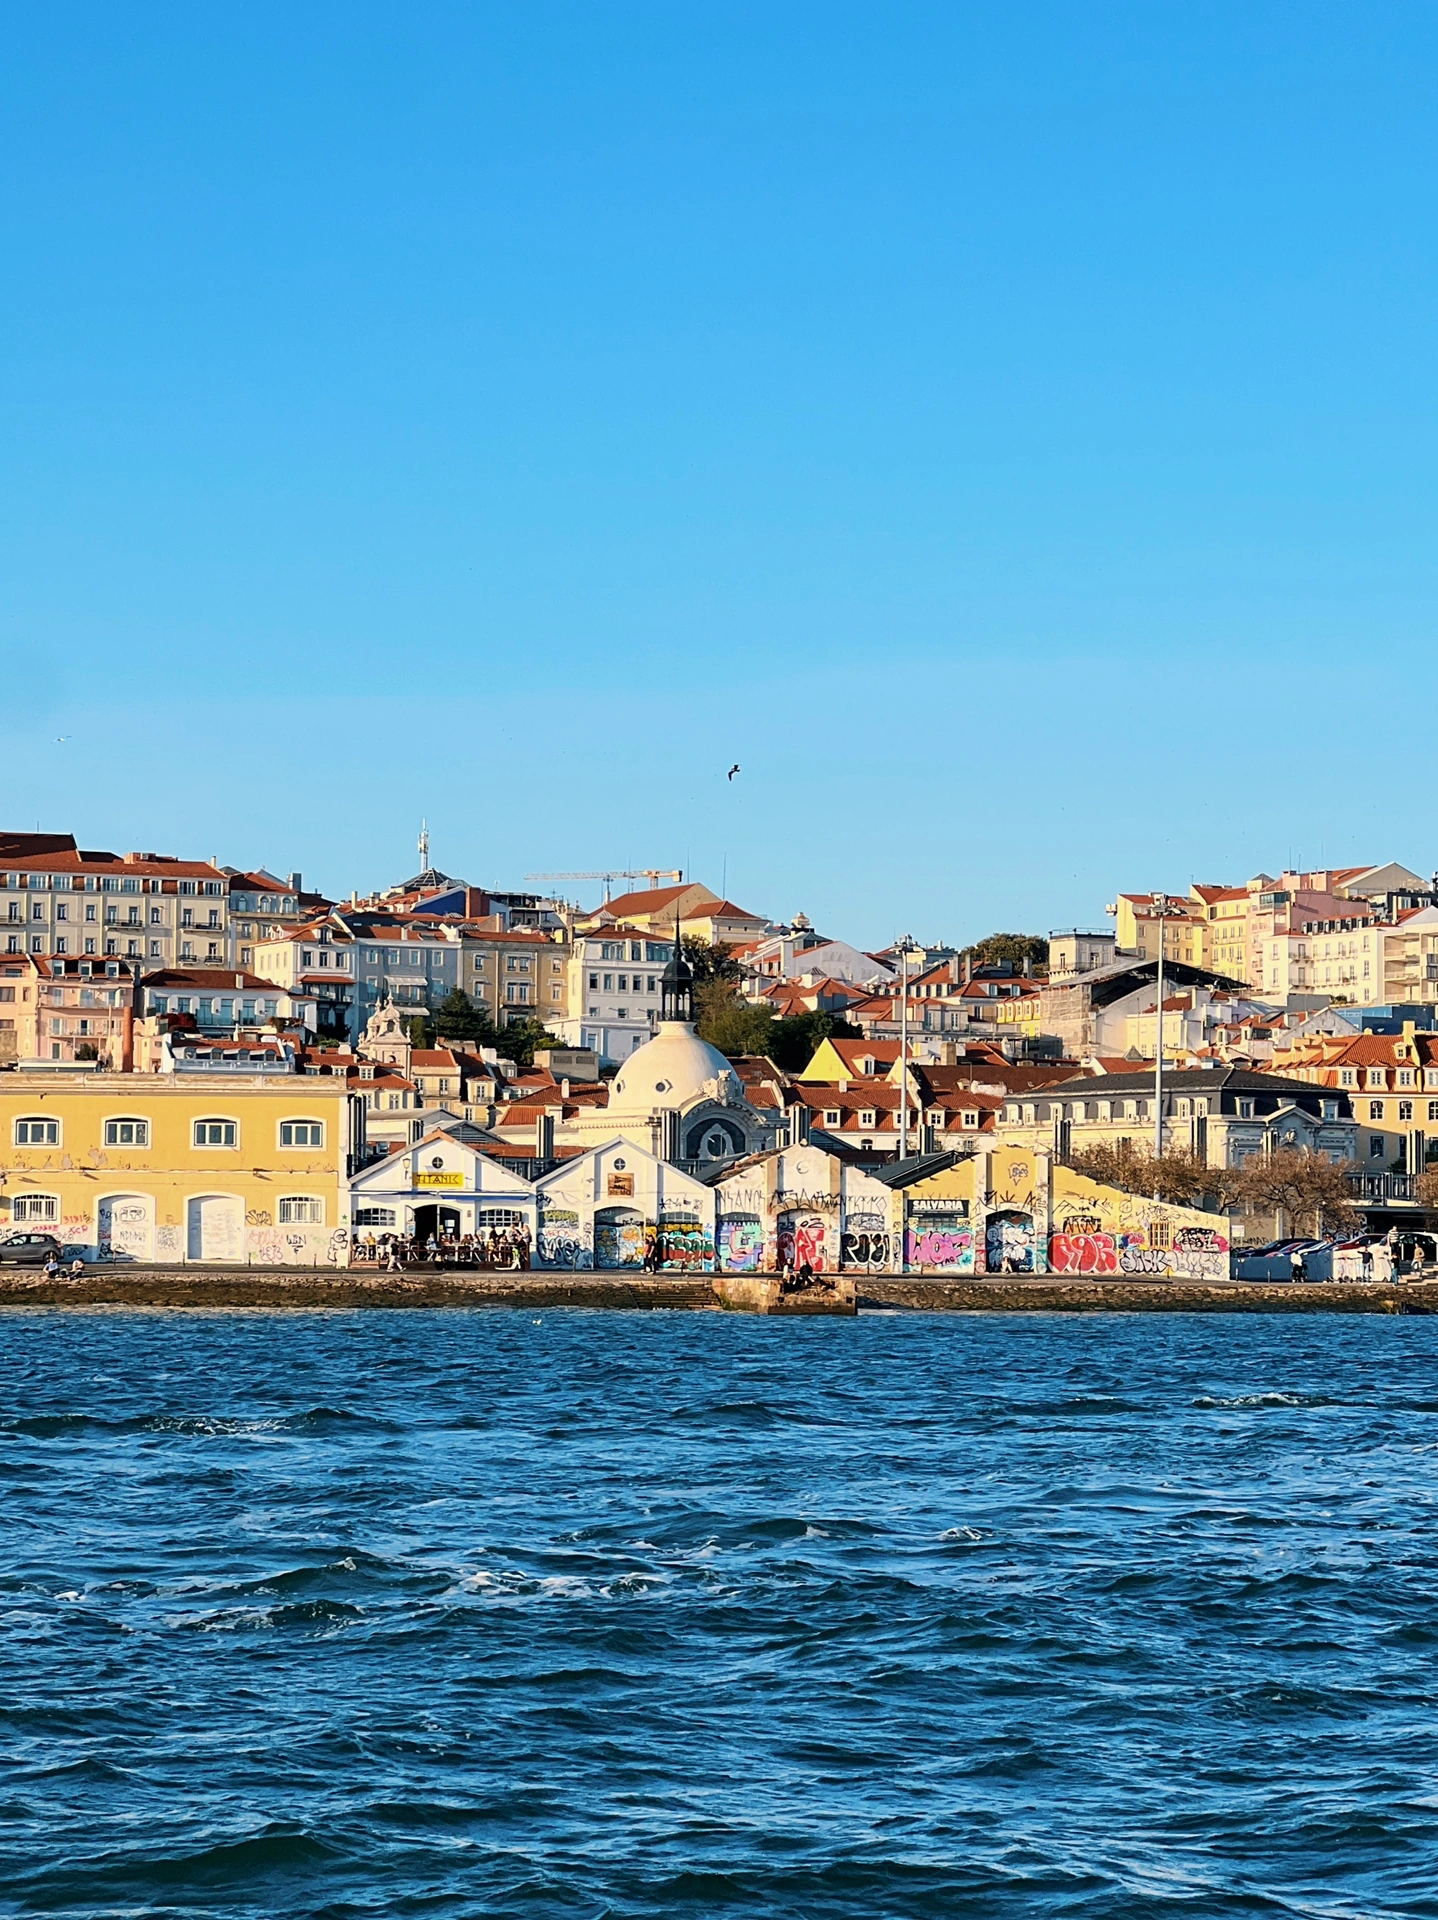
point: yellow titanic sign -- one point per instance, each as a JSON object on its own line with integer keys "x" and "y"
{"x": 439, "y": 1179}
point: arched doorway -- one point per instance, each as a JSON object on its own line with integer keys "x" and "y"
{"x": 125, "y": 1227}
{"x": 214, "y": 1228}
{"x": 618, "y": 1237}
{"x": 1009, "y": 1243}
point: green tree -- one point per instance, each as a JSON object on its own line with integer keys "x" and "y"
{"x": 709, "y": 961}
{"x": 729, "y": 1022}
{"x": 458, "y": 1018}
{"x": 1016, "y": 948}
{"x": 521, "y": 1041}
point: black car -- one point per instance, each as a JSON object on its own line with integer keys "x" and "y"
{"x": 28, "y": 1249}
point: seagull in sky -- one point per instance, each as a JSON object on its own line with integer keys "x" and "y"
{"x": 734, "y": 769}
{"x": 61, "y": 738}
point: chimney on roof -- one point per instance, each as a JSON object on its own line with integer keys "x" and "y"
{"x": 239, "y": 979}
{"x": 294, "y": 883}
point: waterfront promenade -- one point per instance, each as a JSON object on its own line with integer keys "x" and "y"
{"x": 338, "y": 1287}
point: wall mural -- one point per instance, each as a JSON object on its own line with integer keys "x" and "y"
{"x": 1009, "y": 1243}
{"x": 620, "y": 1237}
{"x": 740, "y": 1241}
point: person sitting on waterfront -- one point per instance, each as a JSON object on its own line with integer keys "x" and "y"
{"x": 77, "y": 1267}
{"x": 52, "y": 1266}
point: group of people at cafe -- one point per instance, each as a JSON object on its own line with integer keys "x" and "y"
{"x": 499, "y": 1248}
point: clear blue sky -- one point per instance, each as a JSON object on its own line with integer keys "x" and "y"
{"x": 1007, "y": 431}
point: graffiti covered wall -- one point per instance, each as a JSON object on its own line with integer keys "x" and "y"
{"x": 1101, "y": 1231}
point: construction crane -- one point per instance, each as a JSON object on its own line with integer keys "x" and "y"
{"x": 651, "y": 874}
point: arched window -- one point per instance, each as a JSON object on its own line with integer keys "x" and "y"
{"x": 35, "y": 1206}
{"x": 216, "y": 1133}
{"x": 127, "y": 1133}
{"x": 36, "y": 1131}
{"x": 302, "y": 1133}
{"x": 301, "y": 1210}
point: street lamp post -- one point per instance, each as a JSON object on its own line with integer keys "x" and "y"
{"x": 1161, "y": 904}
{"x": 905, "y": 947}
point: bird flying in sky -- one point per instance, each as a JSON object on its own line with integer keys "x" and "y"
{"x": 734, "y": 769}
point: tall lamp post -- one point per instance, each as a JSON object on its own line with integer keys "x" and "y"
{"x": 1164, "y": 909}
{"x": 904, "y": 947}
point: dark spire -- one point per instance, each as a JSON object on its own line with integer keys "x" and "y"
{"x": 676, "y": 986}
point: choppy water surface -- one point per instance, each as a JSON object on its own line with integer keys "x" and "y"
{"x": 586, "y": 1614}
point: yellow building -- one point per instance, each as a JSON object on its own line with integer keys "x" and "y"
{"x": 214, "y": 1167}
{"x": 1014, "y": 1210}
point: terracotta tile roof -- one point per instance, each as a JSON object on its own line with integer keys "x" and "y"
{"x": 210, "y": 979}
{"x": 652, "y": 900}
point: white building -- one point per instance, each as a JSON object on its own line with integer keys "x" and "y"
{"x": 614, "y": 990}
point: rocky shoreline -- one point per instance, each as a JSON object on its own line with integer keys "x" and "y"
{"x": 339, "y": 1288}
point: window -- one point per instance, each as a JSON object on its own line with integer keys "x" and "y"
{"x": 1433, "y": 1109}
{"x": 866, "y": 1118}
{"x": 215, "y": 1133}
{"x": 1375, "y": 1149}
{"x": 37, "y": 1133}
{"x": 127, "y": 1133}
{"x": 1375, "y": 1109}
{"x": 1245, "y": 1109}
{"x": 594, "y": 983}
{"x": 302, "y": 1133}
{"x": 36, "y": 1206}
{"x": 301, "y": 1210}
{"x": 1330, "y": 1109}
{"x": 832, "y": 1117}
{"x": 374, "y": 1216}
{"x": 611, "y": 950}
{"x": 624, "y": 983}
{"x": 1405, "y": 1109}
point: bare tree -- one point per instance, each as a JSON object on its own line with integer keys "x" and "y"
{"x": 1306, "y": 1188}
{"x": 1183, "y": 1179}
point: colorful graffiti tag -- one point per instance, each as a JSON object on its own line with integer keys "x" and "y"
{"x": 936, "y": 1248}
{"x": 1083, "y": 1252}
{"x": 866, "y": 1242}
{"x": 802, "y": 1237}
{"x": 685, "y": 1246}
{"x": 560, "y": 1241}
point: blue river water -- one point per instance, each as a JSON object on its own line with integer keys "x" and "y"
{"x": 584, "y": 1614}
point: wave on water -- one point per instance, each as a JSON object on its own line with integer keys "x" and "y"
{"x": 693, "y": 1615}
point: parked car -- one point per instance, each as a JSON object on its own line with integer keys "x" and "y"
{"x": 28, "y": 1249}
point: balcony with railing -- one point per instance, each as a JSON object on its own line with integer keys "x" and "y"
{"x": 1378, "y": 1189}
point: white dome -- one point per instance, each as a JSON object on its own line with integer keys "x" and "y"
{"x": 671, "y": 1070}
